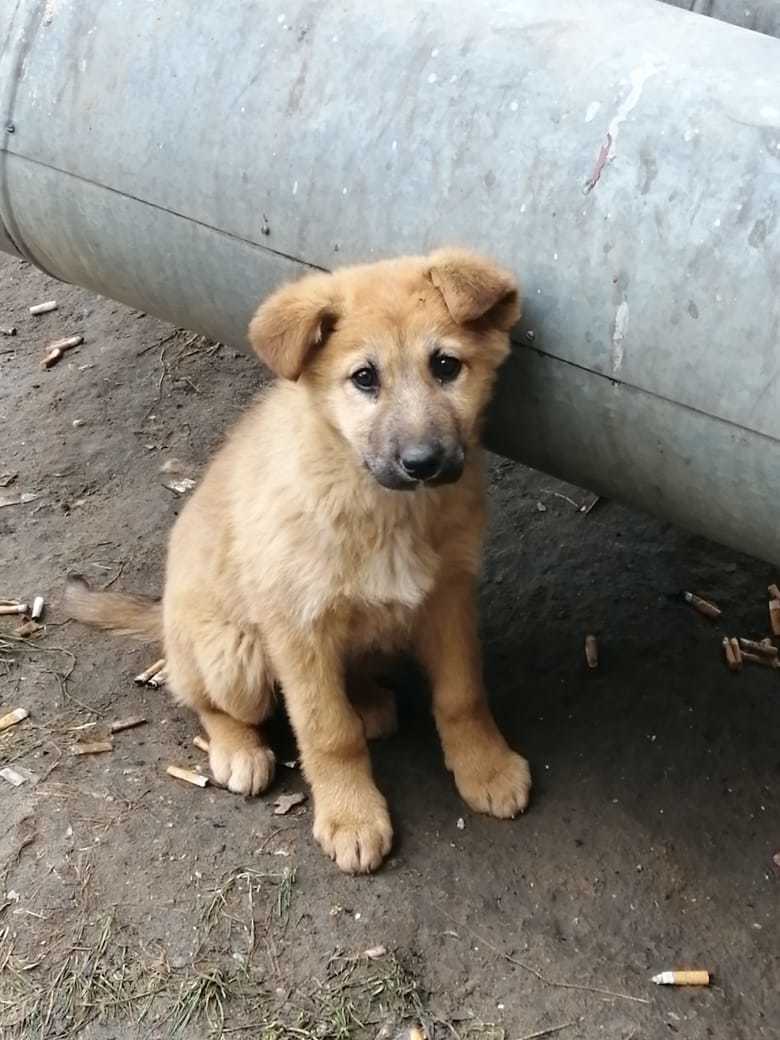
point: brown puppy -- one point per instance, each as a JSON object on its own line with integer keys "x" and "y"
{"x": 343, "y": 518}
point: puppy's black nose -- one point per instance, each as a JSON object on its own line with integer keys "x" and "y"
{"x": 422, "y": 461}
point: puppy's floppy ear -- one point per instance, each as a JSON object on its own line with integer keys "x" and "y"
{"x": 475, "y": 288}
{"x": 292, "y": 323}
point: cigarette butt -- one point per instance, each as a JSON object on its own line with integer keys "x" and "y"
{"x": 774, "y": 591}
{"x": 14, "y": 608}
{"x": 188, "y": 775}
{"x": 12, "y": 777}
{"x": 143, "y": 677}
{"x": 129, "y": 723}
{"x": 764, "y": 648}
{"x": 733, "y": 654}
{"x": 592, "y": 651}
{"x": 58, "y": 348}
{"x": 37, "y": 608}
{"x": 201, "y": 744}
{"x": 11, "y": 719}
{"x": 767, "y": 662}
{"x": 44, "y": 308}
{"x": 703, "y": 606}
{"x": 682, "y": 978}
{"x": 9, "y": 330}
{"x": 158, "y": 679}
{"x": 774, "y": 616}
{"x": 93, "y": 747}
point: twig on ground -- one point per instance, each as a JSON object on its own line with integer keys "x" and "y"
{"x": 116, "y": 577}
{"x": 548, "y": 1032}
{"x": 557, "y": 494}
{"x": 534, "y": 971}
{"x": 157, "y": 343}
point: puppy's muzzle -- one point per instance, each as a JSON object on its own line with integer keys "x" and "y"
{"x": 429, "y": 462}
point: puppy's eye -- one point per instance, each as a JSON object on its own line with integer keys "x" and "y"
{"x": 366, "y": 378}
{"x": 445, "y": 367}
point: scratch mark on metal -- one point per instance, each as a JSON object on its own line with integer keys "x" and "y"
{"x": 601, "y": 162}
{"x": 607, "y": 152}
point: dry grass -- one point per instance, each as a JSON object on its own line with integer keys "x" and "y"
{"x": 97, "y": 974}
{"x": 356, "y": 998}
{"x": 202, "y": 996}
{"x": 232, "y": 903}
{"x": 93, "y": 978}
{"x": 100, "y": 979}
{"x": 19, "y": 741}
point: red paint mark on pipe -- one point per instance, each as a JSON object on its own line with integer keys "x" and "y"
{"x": 601, "y": 162}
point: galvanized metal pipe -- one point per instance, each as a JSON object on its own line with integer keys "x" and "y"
{"x": 621, "y": 155}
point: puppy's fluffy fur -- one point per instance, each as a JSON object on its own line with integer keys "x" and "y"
{"x": 343, "y": 519}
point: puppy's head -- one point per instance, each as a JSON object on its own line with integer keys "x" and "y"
{"x": 398, "y": 356}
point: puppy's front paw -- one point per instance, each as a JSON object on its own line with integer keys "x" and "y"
{"x": 357, "y": 838}
{"x": 247, "y": 770}
{"x": 498, "y": 783}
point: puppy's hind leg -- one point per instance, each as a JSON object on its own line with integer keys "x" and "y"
{"x": 223, "y": 676}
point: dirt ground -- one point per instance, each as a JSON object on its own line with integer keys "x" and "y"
{"x": 133, "y": 904}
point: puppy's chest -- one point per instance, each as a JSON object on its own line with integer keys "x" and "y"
{"x": 386, "y": 589}
{"x": 399, "y": 568}
{"x": 379, "y": 569}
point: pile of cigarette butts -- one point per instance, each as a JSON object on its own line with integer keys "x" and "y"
{"x": 153, "y": 676}
{"x": 30, "y": 616}
{"x": 95, "y": 738}
{"x": 16, "y": 606}
{"x": 736, "y": 649}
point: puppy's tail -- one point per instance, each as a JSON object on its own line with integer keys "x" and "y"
{"x": 127, "y": 615}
